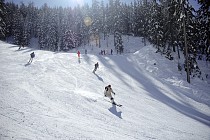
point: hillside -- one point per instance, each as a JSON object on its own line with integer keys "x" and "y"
{"x": 57, "y": 97}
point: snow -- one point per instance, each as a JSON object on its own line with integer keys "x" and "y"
{"x": 57, "y": 97}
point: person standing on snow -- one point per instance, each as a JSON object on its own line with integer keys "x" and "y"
{"x": 78, "y": 53}
{"x": 108, "y": 93}
{"x": 96, "y": 66}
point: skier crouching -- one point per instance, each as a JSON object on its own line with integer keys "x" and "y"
{"x": 108, "y": 93}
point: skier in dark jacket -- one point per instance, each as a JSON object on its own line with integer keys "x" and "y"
{"x": 96, "y": 66}
{"x": 32, "y": 56}
{"x": 111, "y": 51}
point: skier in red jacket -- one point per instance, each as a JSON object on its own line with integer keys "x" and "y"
{"x": 78, "y": 53}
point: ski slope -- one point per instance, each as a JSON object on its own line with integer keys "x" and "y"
{"x": 57, "y": 97}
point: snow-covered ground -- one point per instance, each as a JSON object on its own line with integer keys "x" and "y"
{"x": 57, "y": 97}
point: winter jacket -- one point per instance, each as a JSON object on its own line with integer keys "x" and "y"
{"x": 108, "y": 91}
{"x": 78, "y": 53}
{"x": 96, "y": 65}
{"x": 32, "y": 55}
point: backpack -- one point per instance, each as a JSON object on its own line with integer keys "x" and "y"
{"x": 32, "y": 55}
{"x": 96, "y": 65}
{"x": 106, "y": 88}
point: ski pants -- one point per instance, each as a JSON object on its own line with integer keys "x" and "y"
{"x": 111, "y": 98}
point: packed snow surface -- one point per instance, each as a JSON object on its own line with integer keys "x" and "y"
{"x": 57, "y": 97}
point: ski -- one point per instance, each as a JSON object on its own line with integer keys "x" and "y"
{"x": 113, "y": 103}
{"x": 117, "y": 104}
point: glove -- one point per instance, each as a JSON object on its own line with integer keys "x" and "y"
{"x": 113, "y": 93}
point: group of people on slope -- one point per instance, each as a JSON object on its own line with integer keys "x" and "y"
{"x": 104, "y": 52}
{"x": 108, "y": 90}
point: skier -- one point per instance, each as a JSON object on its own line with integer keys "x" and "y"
{"x": 111, "y": 51}
{"x": 78, "y": 53}
{"x": 20, "y": 47}
{"x": 96, "y": 66}
{"x": 32, "y": 56}
{"x": 108, "y": 93}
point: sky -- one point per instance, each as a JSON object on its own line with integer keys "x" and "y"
{"x": 57, "y": 97}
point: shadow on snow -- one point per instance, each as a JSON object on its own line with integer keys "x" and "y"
{"x": 114, "y": 111}
{"x": 154, "y": 90}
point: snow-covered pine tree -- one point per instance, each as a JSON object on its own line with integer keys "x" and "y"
{"x": 32, "y": 16}
{"x": 43, "y": 30}
{"x": 146, "y": 15}
{"x": 118, "y": 16}
{"x": 2, "y": 20}
{"x": 17, "y": 27}
{"x": 192, "y": 40}
{"x": 97, "y": 18}
{"x": 70, "y": 40}
{"x": 103, "y": 14}
{"x": 156, "y": 28}
{"x": 136, "y": 19}
{"x": 53, "y": 31}
{"x": 25, "y": 35}
{"x": 109, "y": 18}
{"x": 26, "y": 26}
{"x": 118, "y": 42}
{"x": 203, "y": 21}
{"x": 126, "y": 19}
{"x": 9, "y": 19}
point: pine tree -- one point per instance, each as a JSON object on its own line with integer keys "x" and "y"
{"x": 146, "y": 18}
{"x": 118, "y": 42}
{"x": 203, "y": 18}
{"x": 18, "y": 27}
{"x": 2, "y": 20}
{"x": 53, "y": 32}
{"x": 156, "y": 32}
{"x": 32, "y": 15}
{"x": 26, "y": 26}
{"x": 70, "y": 40}
{"x": 9, "y": 19}
{"x": 43, "y": 30}
{"x": 109, "y": 18}
{"x": 97, "y": 18}
{"x": 136, "y": 19}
